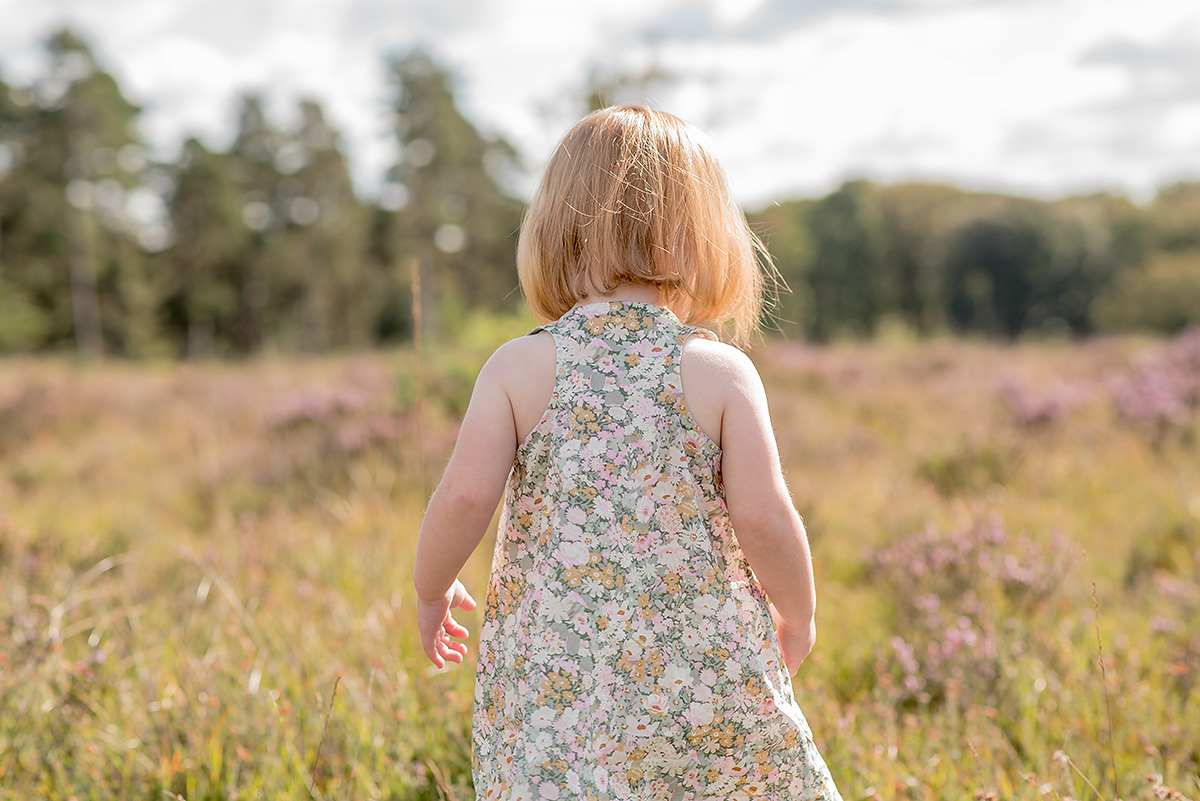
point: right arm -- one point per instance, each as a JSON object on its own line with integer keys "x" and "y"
{"x": 510, "y": 393}
{"x": 768, "y": 528}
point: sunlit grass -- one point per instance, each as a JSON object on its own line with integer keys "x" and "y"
{"x": 205, "y": 574}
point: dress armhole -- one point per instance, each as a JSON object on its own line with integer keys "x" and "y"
{"x": 552, "y": 401}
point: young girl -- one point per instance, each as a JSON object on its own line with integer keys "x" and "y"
{"x": 628, "y": 650}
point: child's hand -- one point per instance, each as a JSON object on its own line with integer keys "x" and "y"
{"x": 437, "y": 626}
{"x": 795, "y": 642}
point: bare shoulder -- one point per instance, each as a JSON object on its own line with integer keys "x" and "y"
{"x": 718, "y": 364}
{"x": 534, "y": 352}
{"x": 524, "y": 368}
{"x": 717, "y": 378}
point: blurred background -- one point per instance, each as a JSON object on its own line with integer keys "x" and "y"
{"x": 224, "y": 224}
{"x": 226, "y": 178}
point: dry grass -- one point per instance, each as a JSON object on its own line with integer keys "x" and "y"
{"x": 205, "y": 576}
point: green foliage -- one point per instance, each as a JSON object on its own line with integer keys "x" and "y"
{"x": 845, "y": 276}
{"x": 1162, "y": 296}
{"x": 457, "y": 219}
{"x": 966, "y": 467}
{"x": 1174, "y": 217}
{"x": 22, "y": 323}
{"x": 267, "y": 248}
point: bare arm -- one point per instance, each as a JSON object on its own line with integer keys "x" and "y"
{"x": 463, "y": 504}
{"x": 767, "y": 526}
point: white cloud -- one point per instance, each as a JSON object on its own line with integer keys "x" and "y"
{"x": 1047, "y": 96}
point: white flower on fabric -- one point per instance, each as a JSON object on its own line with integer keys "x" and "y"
{"x": 542, "y": 717}
{"x": 645, "y": 477}
{"x": 676, "y": 677}
{"x": 671, "y": 556}
{"x": 644, "y": 637}
{"x": 729, "y": 766}
{"x": 645, "y": 508}
{"x": 603, "y": 508}
{"x": 548, "y": 791}
{"x": 698, "y": 714}
{"x": 604, "y": 743}
{"x": 555, "y": 607}
{"x": 641, "y": 725}
{"x": 655, "y": 704}
{"x": 705, "y": 605}
{"x": 567, "y": 719}
{"x": 573, "y": 553}
{"x": 574, "y": 786}
{"x": 663, "y": 491}
{"x": 708, "y": 676}
{"x": 546, "y": 644}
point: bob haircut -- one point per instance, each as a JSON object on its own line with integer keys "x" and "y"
{"x": 633, "y": 196}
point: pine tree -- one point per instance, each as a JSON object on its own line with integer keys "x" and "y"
{"x": 71, "y": 244}
{"x": 456, "y": 218}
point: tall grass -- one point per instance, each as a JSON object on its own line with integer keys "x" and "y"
{"x": 205, "y": 573}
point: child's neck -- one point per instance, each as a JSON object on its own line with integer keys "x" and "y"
{"x": 634, "y": 293}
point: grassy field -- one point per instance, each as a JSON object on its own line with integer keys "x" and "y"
{"x": 205, "y": 572}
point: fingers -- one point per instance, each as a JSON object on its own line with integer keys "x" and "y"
{"x": 462, "y": 598}
{"x": 441, "y": 648}
{"x": 440, "y": 632}
{"x": 433, "y": 652}
{"x": 454, "y": 628}
{"x": 450, "y": 650}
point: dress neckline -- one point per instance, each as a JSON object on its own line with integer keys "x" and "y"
{"x": 609, "y": 305}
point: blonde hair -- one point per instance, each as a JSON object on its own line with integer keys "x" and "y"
{"x": 632, "y": 196}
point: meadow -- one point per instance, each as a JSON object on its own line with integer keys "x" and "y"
{"x": 205, "y": 571}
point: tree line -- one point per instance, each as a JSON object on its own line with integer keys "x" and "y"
{"x": 266, "y": 245}
{"x": 935, "y": 259}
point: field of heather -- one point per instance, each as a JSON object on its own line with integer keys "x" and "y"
{"x": 205, "y": 572}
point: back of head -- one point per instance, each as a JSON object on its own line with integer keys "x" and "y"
{"x": 633, "y": 196}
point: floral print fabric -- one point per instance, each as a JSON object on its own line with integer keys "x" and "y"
{"x": 627, "y": 651}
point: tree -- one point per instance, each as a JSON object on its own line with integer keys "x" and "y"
{"x": 203, "y": 297}
{"x": 990, "y": 267}
{"x": 1163, "y": 296}
{"x": 23, "y": 323}
{"x": 1174, "y": 217}
{"x": 784, "y": 229}
{"x": 326, "y": 236}
{"x": 262, "y": 282}
{"x": 846, "y": 230}
{"x": 454, "y": 216}
{"x": 70, "y": 242}
{"x": 914, "y": 218}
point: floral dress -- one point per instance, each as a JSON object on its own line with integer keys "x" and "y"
{"x": 627, "y": 651}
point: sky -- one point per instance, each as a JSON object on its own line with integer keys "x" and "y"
{"x": 1035, "y": 97}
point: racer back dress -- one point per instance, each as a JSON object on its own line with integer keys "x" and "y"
{"x": 627, "y": 651}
